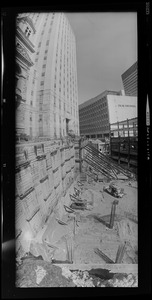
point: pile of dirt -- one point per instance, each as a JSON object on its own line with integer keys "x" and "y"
{"x": 38, "y": 273}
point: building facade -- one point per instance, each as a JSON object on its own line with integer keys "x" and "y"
{"x": 96, "y": 114}
{"x": 129, "y": 79}
{"x": 52, "y": 92}
{"x": 24, "y": 50}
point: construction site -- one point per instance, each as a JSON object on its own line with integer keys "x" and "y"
{"x": 76, "y": 217}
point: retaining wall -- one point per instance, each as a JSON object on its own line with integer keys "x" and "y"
{"x": 44, "y": 172}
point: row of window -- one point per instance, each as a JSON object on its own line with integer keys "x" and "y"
{"x": 91, "y": 116}
{"x": 98, "y": 104}
{"x": 89, "y": 108}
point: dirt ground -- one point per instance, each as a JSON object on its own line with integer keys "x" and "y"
{"x": 91, "y": 232}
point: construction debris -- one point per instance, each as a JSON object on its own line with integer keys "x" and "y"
{"x": 104, "y": 164}
{"x": 114, "y": 190}
{"x": 100, "y": 278}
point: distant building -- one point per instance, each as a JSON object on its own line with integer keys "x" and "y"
{"x": 129, "y": 79}
{"x": 51, "y": 96}
{"x": 96, "y": 114}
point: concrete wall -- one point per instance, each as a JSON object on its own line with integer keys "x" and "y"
{"x": 44, "y": 172}
{"x": 121, "y": 108}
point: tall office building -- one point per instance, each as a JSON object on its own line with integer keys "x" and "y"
{"x": 98, "y": 113}
{"x": 52, "y": 92}
{"x": 129, "y": 79}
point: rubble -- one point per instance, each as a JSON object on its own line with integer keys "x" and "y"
{"x": 100, "y": 278}
{"x": 128, "y": 281}
{"x": 80, "y": 279}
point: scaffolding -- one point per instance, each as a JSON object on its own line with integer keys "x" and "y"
{"x": 124, "y": 142}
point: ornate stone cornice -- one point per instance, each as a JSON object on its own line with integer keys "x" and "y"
{"x": 23, "y": 55}
{"x": 24, "y": 39}
{"x": 27, "y": 20}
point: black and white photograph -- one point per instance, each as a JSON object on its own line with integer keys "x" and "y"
{"x": 76, "y": 149}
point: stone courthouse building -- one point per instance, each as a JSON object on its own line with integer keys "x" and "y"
{"x": 46, "y": 76}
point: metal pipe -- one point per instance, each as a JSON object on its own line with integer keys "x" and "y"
{"x": 103, "y": 256}
{"x": 120, "y": 253}
{"x": 113, "y": 210}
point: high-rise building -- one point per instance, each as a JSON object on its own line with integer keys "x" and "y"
{"x": 52, "y": 92}
{"x": 129, "y": 79}
{"x": 98, "y": 113}
{"x": 24, "y": 50}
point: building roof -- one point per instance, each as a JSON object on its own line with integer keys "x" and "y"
{"x": 129, "y": 71}
{"x": 93, "y": 100}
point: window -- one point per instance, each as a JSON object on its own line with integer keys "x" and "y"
{"x": 27, "y": 31}
{"x": 42, "y": 82}
{"x": 45, "y": 57}
{"x": 32, "y": 93}
{"x": 43, "y": 74}
{"x": 44, "y": 66}
{"x": 31, "y": 103}
{"x": 46, "y": 51}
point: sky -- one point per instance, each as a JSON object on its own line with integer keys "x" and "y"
{"x": 106, "y": 46}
